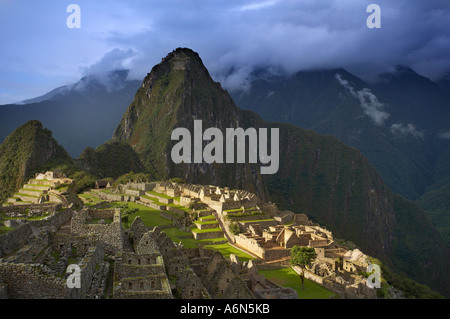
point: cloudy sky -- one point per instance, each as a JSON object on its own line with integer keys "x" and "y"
{"x": 39, "y": 52}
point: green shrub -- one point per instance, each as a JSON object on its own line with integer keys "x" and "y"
{"x": 234, "y": 228}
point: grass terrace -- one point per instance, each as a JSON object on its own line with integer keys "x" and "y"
{"x": 181, "y": 236}
{"x": 196, "y": 230}
{"x": 149, "y": 216}
{"x": 90, "y": 199}
{"x": 255, "y": 221}
{"x": 287, "y": 277}
{"x": 161, "y": 195}
{"x": 226, "y": 250}
{"x": 109, "y": 191}
{"x": 156, "y": 201}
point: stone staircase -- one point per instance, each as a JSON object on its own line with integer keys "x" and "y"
{"x": 207, "y": 228}
{"x": 34, "y": 192}
{"x": 222, "y": 226}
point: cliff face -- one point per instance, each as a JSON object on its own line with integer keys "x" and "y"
{"x": 25, "y": 150}
{"x": 318, "y": 175}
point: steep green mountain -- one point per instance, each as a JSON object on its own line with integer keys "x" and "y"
{"x": 436, "y": 200}
{"x": 79, "y": 115}
{"x": 177, "y": 91}
{"x": 401, "y": 123}
{"x": 23, "y": 152}
{"x": 396, "y": 123}
{"x": 112, "y": 159}
{"x": 333, "y": 183}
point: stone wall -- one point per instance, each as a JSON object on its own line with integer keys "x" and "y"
{"x": 208, "y": 235}
{"x": 188, "y": 285}
{"x": 175, "y": 210}
{"x": 117, "y": 197}
{"x": 137, "y": 230}
{"x": 262, "y": 224}
{"x": 168, "y": 216}
{"x": 134, "y": 192}
{"x": 139, "y": 276}
{"x": 274, "y": 254}
{"x": 112, "y": 235}
{"x": 130, "y": 265}
{"x": 161, "y": 199}
{"x": 34, "y": 250}
{"x": 221, "y": 281}
{"x": 38, "y": 281}
{"x": 276, "y": 293}
{"x": 141, "y": 186}
{"x": 46, "y": 207}
{"x": 3, "y": 291}
{"x": 251, "y": 245}
{"x": 56, "y": 220}
{"x": 93, "y": 257}
{"x": 14, "y": 239}
{"x": 28, "y": 240}
{"x": 34, "y": 283}
{"x": 309, "y": 275}
{"x": 82, "y": 244}
{"x": 150, "y": 203}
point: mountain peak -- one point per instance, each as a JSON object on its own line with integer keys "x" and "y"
{"x": 400, "y": 72}
{"x": 182, "y": 53}
{"x": 180, "y": 59}
{"x": 23, "y": 151}
{"x": 110, "y": 81}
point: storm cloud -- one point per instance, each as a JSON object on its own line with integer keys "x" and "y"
{"x": 233, "y": 37}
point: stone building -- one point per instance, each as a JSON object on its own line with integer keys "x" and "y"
{"x": 111, "y": 234}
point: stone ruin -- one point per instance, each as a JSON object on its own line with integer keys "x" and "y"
{"x": 145, "y": 263}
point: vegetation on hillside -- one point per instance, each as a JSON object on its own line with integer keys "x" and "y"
{"x": 26, "y": 151}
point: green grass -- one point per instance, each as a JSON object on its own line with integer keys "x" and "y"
{"x": 92, "y": 199}
{"x": 196, "y": 230}
{"x": 211, "y": 241}
{"x": 208, "y": 217}
{"x": 160, "y": 195}
{"x": 32, "y": 190}
{"x": 186, "y": 209}
{"x": 226, "y": 249}
{"x": 175, "y": 234}
{"x": 233, "y": 210}
{"x": 287, "y": 277}
{"x": 110, "y": 192}
{"x": 46, "y": 185}
{"x": 149, "y": 216}
{"x": 256, "y": 220}
{"x": 207, "y": 223}
{"x": 25, "y": 195}
{"x": 4, "y": 229}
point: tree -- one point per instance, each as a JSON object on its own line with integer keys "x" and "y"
{"x": 302, "y": 257}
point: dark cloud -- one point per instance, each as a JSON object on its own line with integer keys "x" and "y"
{"x": 298, "y": 35}
{"x": 234, "y": 37}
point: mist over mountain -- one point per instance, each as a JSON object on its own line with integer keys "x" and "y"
{"x": 401, "y": 123}
{"x": 79, "y": 115}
